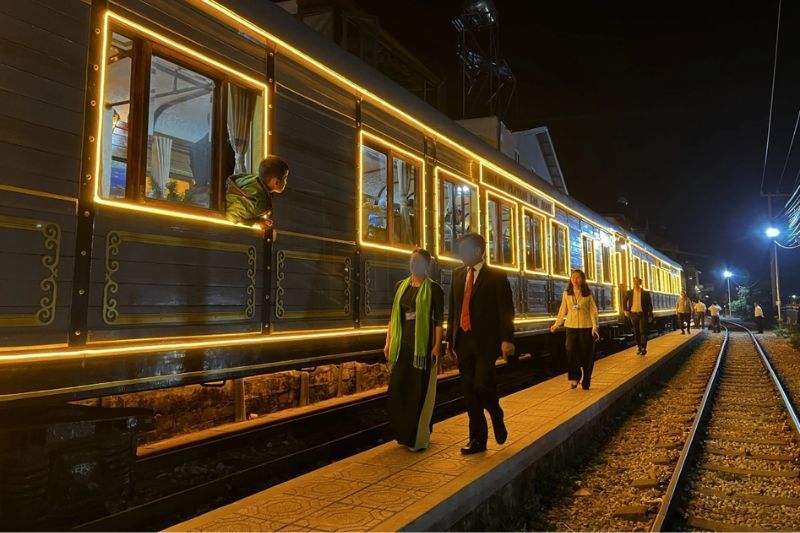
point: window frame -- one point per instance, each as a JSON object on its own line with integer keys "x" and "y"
{"x": 143, "y": 49}
{"x": 391, "y": 152}
{"x": 501, "y": 201}
{"x": 530, "y": 213}
{"x": 645, "y": 274}
{"x": 452, "y": 177}
{"x": 605, "y": 251}
{"x": 591, "y": 273}
{"x": 567, "y": 263}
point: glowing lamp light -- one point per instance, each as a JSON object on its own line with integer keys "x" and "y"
{"x": 727, "y": 274}
{"x": 772, "y": 232}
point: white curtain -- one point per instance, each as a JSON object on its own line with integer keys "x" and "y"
{"x": 161, "y": 155}
{"x": 406, "y": 185}
{"x": 241, "y": 105}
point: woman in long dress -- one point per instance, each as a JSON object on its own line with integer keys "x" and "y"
{"x": 579, "y": 311}
{"x": 413, "y": 346}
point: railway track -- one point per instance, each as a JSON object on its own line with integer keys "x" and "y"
{"x": 739, "y": 467}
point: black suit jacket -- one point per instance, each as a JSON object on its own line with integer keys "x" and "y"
{"x": 647, "y": 302}
{"x": 491, "y": 309}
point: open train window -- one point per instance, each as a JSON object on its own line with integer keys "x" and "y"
{"x": 589, "y": 258}
{"x": 533, "y": 227}
{"x": 389, "y": 193}
{"x": 458, "y": 209}
{"x": 605, "y": 261}
{"x": 560, "y": 237}
{"x": 501, "y": 231}
{"x": 174, "y": 128}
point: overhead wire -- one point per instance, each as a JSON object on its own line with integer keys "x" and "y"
{"x": 771, "y": 97}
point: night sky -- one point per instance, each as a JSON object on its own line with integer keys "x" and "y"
{"x": 666, "y": 106}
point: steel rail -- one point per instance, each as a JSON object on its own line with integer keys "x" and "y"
{"x": 690, "y": 446}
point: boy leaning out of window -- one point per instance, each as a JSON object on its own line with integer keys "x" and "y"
{"x": 248, "y": 197}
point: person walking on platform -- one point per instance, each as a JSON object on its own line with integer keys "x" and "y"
{"x": 413, "y": 347}
{"x": 579, "y": 310}
{"x": 714, "y": 310}
{"x": 480, "y": 327}
{"x": 758, "y": 313}
{"x": 683, "y": 309}
{"x": 700, "y": 314}
{"x": 638, "y": 307}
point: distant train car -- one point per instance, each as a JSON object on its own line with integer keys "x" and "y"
{"x": 122, "y": 119}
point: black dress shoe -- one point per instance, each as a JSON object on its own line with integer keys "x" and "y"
{"x": 500, "y": 432}
{"x": 473, "y": 447}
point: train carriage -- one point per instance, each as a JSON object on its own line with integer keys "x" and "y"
{"x": 121, "y": 120}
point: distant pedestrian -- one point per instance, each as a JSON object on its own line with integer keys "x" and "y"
{"x": 700, "y": 314}
{"x": 579, "y": 310}
{"x": 638, "y": 307}
{"x": 413, "y": 346}
{"x": 759, "y": 316}
{"x": 480, "y": 327}
{"x": 714, "y": 310}
{"x": 683, "y": 309}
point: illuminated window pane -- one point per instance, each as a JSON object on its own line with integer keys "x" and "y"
{"x": 373, "y": 185}
{"x": 456, "y": 213}
{"x": 116, "y": 114}
{"x": 606, "y": 260}
{"x": 507, "y": 221}
{"x": 404, "y": 204}
{"x": 180, "y": 143}
{"x": 534, "y": 251}
{"x": 494, "y": 232}
{"x": 589, "y": 260}
{"x": 560, "y": 258}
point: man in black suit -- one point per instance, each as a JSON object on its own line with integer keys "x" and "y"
{"x": 480, "y": 327}
{"x": 638, "y": 307}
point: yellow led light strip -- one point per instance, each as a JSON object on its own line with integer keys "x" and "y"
{"x": 359, "y": 188}
{"x": 474, "y": 200}
{"x": 210, "y": 341}
{"x": 500, "y": 200}
{"x": 526, "y": 211}
{"x": 99, "y": 134}
{"x": 566, "y": 250}
{"x": 365, "y": 93}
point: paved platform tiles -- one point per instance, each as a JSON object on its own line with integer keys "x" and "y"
{"x": 389, "y": 488}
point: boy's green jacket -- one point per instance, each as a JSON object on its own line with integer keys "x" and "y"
{"x": 247, "y": 199}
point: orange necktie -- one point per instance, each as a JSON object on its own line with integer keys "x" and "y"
{"x": 466, "y": 324}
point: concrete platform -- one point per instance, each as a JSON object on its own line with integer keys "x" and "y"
{"x": 389, "y": 488}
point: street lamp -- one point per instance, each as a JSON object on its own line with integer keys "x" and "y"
{"x": 728, "y": 275}
{"x": 773, "y": 232}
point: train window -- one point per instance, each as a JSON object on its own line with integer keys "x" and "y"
{"x": 589, "y": 258}
{"x": 389, "y": 185}
{"x": 374, "y": 194}
{"x": 180, "y": 134}
{"x": 501, "y": 232}
{"x": 458, "y": 212}
{"x": 560, "y": 237}
{"x": 645, "y": 275}
{"x": 116, "y": 117}
{"x": 534, "y": 242}
{"x": 605, "y": 251}
{"x": 174, "y": 128}
{"x": 654, "y": 277}
{"x": 404, "y": 207}
{"x": 637, "y": 268}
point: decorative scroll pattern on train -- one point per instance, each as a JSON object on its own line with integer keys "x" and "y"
{"x": 111, "y": 313}
{"x": 493, "y": 179}
{"x": 51, "y": 232}
{"x": 345, "y": 308}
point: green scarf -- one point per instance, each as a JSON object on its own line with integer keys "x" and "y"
{"x": 422, "y": 326}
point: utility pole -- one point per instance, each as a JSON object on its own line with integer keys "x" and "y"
{"x": 773, "y": 261}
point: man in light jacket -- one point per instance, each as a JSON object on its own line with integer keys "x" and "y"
{"x": 683, "y": 309}
{"x": 700, "y": 314}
